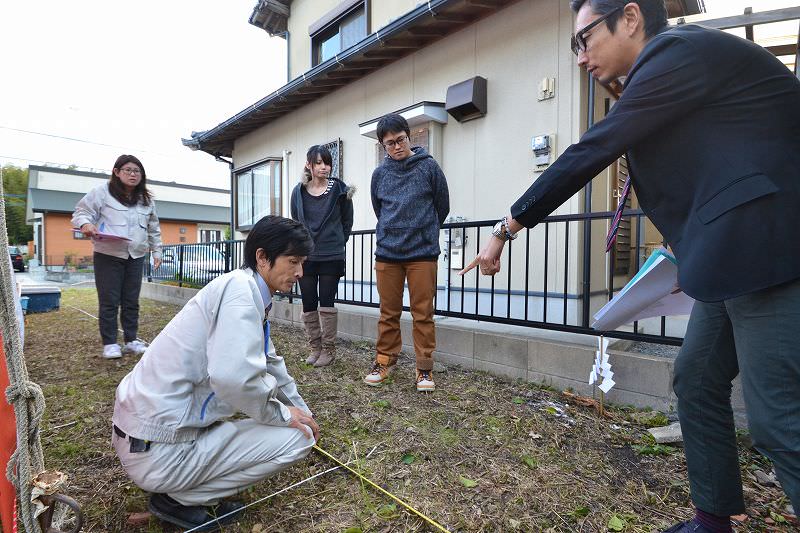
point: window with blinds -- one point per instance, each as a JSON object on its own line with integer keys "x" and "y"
{"x": 340, "y": 34}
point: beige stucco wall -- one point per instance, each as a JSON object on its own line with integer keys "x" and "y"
{"x": 488, "y": 161}
{"x": 382, "y": 12}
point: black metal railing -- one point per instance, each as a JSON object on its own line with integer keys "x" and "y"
{"x": 194, "y": 265}
{"x": 551, "y": 276}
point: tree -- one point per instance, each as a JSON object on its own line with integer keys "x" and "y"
{"x": 15, "y": 189}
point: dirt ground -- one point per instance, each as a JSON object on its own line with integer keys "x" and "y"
{"x": 479, "y": 454}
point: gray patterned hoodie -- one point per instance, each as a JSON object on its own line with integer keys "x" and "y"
{"x": 411, "y": 202}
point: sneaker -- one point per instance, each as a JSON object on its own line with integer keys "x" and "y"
{"x": 111, "y": 351}
{"x": 425, "y": 381}
{"x": 377, "y": 375}
{"x": 135, "y": 348}
{"x": 194, "y": 517}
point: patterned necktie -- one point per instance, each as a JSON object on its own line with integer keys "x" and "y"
{"x": 611, "y": 238}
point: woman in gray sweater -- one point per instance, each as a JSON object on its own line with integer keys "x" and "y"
{"x": 324, "y": 205}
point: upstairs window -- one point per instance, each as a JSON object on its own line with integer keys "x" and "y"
{"x": 338, "y": 30}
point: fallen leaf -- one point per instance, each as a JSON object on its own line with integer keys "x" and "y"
{"x": 468, "y": 482}
{"x": 616, "y": 523}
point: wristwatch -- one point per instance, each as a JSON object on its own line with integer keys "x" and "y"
{"x": 501, "y": 231}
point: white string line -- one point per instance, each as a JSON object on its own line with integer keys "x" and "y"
{"x": 265, "y": 498}
{"x": 91, "y": 315}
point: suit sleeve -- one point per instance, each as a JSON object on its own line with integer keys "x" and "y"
{"x": 669, "y": 80}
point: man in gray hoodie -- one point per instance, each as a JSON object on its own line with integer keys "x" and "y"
{"x": 411, "y": 201}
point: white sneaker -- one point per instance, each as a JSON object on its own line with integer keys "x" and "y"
{"x": 135, "y": 348}
{"x": 425, "y": 381}
{"x": 111, "y": 351}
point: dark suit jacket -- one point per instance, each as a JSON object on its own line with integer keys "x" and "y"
{"x": 711, "y": 124}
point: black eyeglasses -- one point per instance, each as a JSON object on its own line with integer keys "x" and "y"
{"x": 578, "y": 43}
{"x": 399, "y": 141}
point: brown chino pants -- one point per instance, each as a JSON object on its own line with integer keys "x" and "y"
{"x": 391, "y": 277}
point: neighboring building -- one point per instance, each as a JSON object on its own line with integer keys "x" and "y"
{"x": 478, "y": 81}
{"x": 187, "y": 214}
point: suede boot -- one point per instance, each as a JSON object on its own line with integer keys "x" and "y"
{"x": 329, "y": 318}
{"x": 311, "y": 324}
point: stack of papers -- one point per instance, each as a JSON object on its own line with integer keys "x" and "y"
{"x": 101, "y": 235}
{"x": 652, "y": 292}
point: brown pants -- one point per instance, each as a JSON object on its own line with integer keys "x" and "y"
{"x": 391, "y": 277}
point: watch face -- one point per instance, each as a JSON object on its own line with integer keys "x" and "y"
{"x": 497, "y": 231}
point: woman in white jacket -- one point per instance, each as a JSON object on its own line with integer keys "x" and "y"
{"x": 122, "y": 207}
{"x": 172, "y": 427}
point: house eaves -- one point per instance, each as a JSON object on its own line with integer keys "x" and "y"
{"x": 427, "y": 23}
{"x": 418, "y": 28}
{"x": 271, "y": 16}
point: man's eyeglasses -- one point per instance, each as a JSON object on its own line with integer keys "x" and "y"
{"x": 578, "y": 43}
{"x": 131, "y": 171}
{"x": 391, "y": 144}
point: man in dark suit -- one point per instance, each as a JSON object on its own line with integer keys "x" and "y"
{"x": 711, "y": 126}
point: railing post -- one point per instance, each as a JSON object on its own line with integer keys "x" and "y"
{"x": 228, "y": 254}
{"x": 180, "y": 265}
{"x": 587, "y": 223}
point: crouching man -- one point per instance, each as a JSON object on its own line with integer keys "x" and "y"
{"x": 172, "y": 428}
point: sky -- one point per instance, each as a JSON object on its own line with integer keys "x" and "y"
{"x": 136, "y": 76}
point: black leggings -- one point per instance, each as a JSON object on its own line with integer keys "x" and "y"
{"x": 327, "y": 290}
{"x": 322, "y": 274}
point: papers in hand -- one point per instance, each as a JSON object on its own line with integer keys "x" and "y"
{"x": 103, "y": 236}
{"x": 652, "y": 292}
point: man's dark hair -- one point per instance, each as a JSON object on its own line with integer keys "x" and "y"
{"x": 392, "y": 123}
{"x": 653, "y": 11}
{"x": 277, "y": 236}
{"x": 118, "y": 190}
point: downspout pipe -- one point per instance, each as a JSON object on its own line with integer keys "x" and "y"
{"x": 233, "y": 193}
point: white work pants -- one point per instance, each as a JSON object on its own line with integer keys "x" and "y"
{"x": 225, "y": 459}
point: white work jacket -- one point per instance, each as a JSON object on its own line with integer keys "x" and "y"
{"x": 208, "y": 364}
